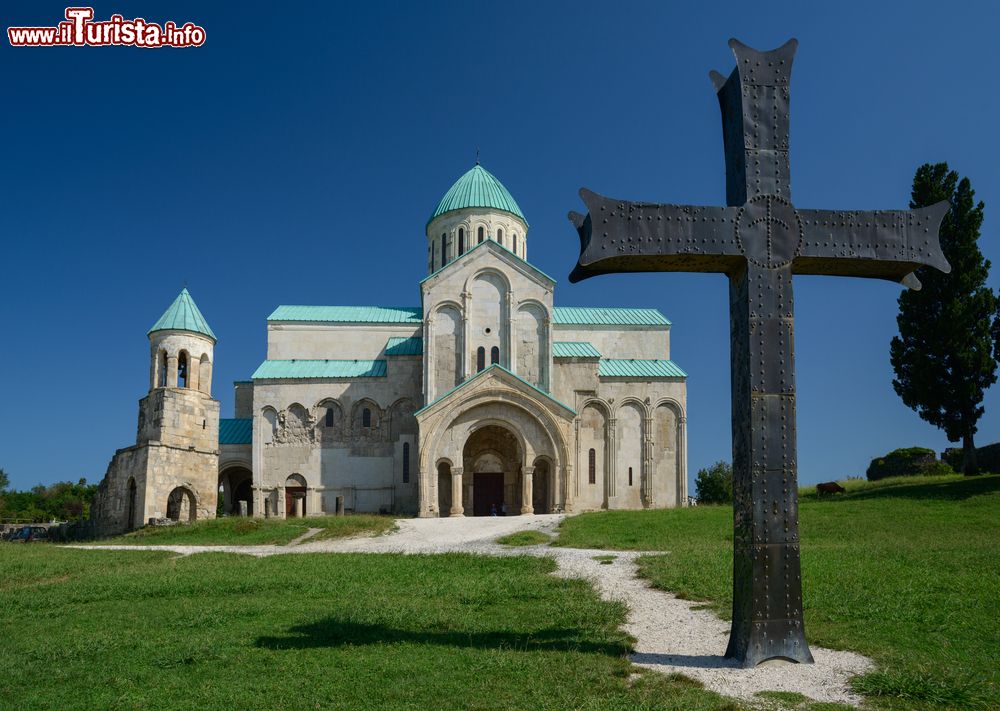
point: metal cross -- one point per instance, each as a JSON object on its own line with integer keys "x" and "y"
{"x": 759, "y": 241}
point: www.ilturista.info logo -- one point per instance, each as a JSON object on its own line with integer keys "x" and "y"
{"x": 79, "y": 30}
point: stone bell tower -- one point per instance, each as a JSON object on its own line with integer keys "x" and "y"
{"x": 172, "y": 471}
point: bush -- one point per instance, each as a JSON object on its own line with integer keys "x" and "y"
{"x": 909, "y": 461}
{"x": 715, "y": 484}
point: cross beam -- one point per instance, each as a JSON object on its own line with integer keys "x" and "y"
{"x": 759, "y": 240}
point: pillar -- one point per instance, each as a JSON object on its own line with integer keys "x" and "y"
{"x": 281, "y": 503}
{"x": 300, "y": 509}
{"x": 527, "y": 508}
{"x": 172, "y": 371}
{"x": 646, "y": 476}
{"x": 682, "y": 462}
{"x": 193, "y": 372}
{"x": 611, "y": 463}
{"x": 466, "y": 337}
{"x": 456, "y": 492}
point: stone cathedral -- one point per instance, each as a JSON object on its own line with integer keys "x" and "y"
{"x": 484, "y": 399}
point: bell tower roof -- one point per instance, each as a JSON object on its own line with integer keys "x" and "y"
{"x": 183, "y": 315}
{"x": 478, "y": 188}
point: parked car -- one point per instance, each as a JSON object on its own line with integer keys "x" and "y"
{"x": 30, "y": 534}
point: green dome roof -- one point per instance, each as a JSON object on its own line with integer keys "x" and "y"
{"x": 183, "y": 315}
{"x": 477, "y": 188}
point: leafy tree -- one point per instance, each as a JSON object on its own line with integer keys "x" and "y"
{"x": 946, "y": 353}
{"x": 4, "y": 480}
{"x": 715, "y": 484}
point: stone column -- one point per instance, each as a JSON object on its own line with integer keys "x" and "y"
{"x": 682, "y": 461}
{"x": 646, "y": 476}
{"x": 611, "y": 455}
{"x": 172, "y": 371}
{"x": 429, "y": 395}
{"x": 511, "y": 346}
{"x": 194, "y": 368}
{"x": 205, "y": 378}
{"x": 300, "y": 509}
{"x": 527, "y": 508}
{"x": 311, "y": 500}
{"x": 281, "y": 502}
{"x": 456, "y": 492}
{"x": 466, "y": 337}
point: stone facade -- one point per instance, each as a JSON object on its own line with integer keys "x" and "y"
{"x": 485, "y": 399}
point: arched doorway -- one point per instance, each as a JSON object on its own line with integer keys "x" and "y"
{"x": 295, "y": 496}
{"x": 493, "y": 456}
{"x": 444, "y": 489}
{"x": 541, "y": 485}
{"x": 235, "y": 485}
{"x": 181, "y": 505}
{"x": 130, "y": 521}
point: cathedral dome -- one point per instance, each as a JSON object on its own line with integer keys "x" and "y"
{"x": 478, "y": 188}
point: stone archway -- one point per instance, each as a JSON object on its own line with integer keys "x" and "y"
{"x": 492, "y": 455}
{"x": 235, "y": 485}
{"x": 181, "y": 505}
{"x": 295, "y": 496}
{"x": 541, "y": 487}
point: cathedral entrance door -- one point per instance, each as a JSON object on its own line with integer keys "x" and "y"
{"x": 487, "y": 493}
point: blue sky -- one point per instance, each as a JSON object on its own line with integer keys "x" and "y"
{"x": 295, "y": 157}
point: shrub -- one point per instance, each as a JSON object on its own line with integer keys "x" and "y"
{"x": 715, "y": 484}
{"x": 909, "y": 461}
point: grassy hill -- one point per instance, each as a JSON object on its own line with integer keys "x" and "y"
{"x": 906, "y": 571}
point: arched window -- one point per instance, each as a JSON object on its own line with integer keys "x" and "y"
{"x": 481, "y": 233}
{"x": 592, "y": 467}
{"x": 630, "y": 476}
{"x": 500, "y": 236}
{"x": 328, "y": 422}
{"x": 163, "y": 369}
{"x": 182, "y": 370}
{"x": 494, "y": 354}
{"x": 444, "y": 249}
{"x": 433, "y": 255}
{"x": 480, "y": 358}
{"x": 366, "y": 418}
{"x": 406, "y": 462}
{"x": 461, "y": 241}
{"x": 515, "y": 243}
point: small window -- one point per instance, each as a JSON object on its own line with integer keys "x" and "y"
{"x": 481, "y": 233}
{"x": 494, "y": 354}
{"x": 480, "y": 358}
{"x": 433, "y": 255}
{"x": 461, "y": 241}
{"x": 515, "y": 244}
{"x": 444, "y": 249}
{"x": 328, "y": 422}
{"x": 630, "y": 476}
{"x": 592, "y": 467}
{"x": 500, "y": 236}
{"x": 406, "y": 462}
{"x": 366, "y": 418}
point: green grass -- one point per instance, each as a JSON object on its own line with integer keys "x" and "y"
{"x": 525, "y": 538}
{"x": 146, "y": 629}
{"x": 906, "y": 571}
{"x": 254, "y": 531}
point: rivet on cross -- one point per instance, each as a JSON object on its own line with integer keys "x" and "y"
{"x": 759, "y": 241}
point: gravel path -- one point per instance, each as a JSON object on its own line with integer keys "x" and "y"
{"x": 672, "y": 636}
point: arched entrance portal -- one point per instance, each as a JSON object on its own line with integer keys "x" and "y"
{"x": 541, "y": 485}
{"x": 235, "y": 485}
{"x": 181, "y": 505}
{"x": 444, "y": 488}
{"x": 492, "y": 455}
{"x": 295, "y": 496}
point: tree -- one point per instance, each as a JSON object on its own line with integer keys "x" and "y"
{"x": 715, "y": 484}
{"x": 4, "y": 480}
{"x": 945, "y": 355}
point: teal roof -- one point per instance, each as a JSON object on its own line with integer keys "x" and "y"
{"x": 582, "y": 316}
{"x": 574, "y": 349}
{"x": 350, "y": 314}
{"x": 280, "y": 369}
{"x": 235, "y": 431}
{"x": 399, "y": 346}
{"x": 487, "y": 370}
{"x": 477, "y": 188}
{"x": 611, "y": 368}
{"x": 183, "y": 315}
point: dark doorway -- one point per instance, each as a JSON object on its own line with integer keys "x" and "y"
{"x": 487, "y": 493}
{"x": 291, "y": 494}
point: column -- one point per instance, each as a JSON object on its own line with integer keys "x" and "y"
{"x": 648, "y": 498}
{"x": 172, "y": 371}
{"x": 205, "y": 378}
{"x": 193, "y": 372}
{"x": 527, "y": 508}
{"x": 456, "y": 492}
{"x": 429, "y": 395}
{"x": 611, "y": 463}
{"x": 682, "y": 461}
{"x": 466, "y": 337}
{"x": 300, "y": 509}
{"x": 281, "y": 503}
{"x": 511, "y": 348}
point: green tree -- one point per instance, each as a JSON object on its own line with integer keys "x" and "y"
{"x": 715, "y": 484}
{"x": 4, "y": 480}
{"x": 945, "y": 356}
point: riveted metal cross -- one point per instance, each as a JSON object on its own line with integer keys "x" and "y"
{"x": 759, "y": 241}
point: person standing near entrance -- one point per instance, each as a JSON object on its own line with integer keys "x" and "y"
{"x": 493, "y": 510}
